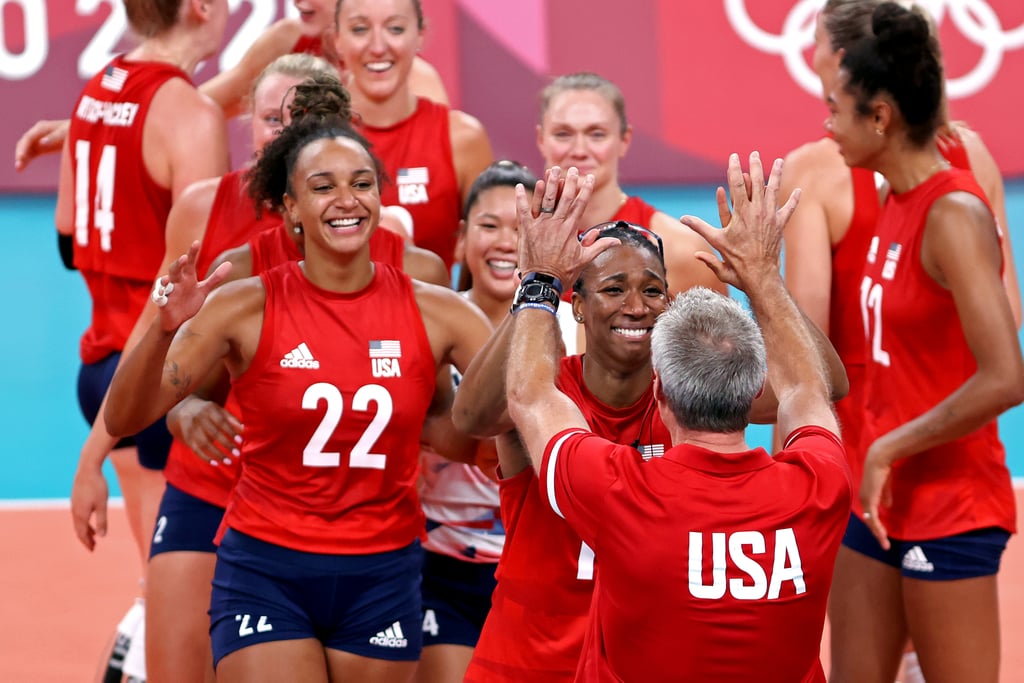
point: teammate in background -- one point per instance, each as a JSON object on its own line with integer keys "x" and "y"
{"x": 942, "y": 363}
{"x": 465, "y": 531}
{"x": 328, "y": 489}
{"x": 583, "y": 124}
{"x": 431, "y": 153}
{"x": 310, "y": 33}
{"x": 127, "y": 158}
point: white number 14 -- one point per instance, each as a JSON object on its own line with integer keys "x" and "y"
{"x": 102, "y": 206}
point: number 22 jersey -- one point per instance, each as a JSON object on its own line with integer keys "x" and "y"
{"x": 333, "y": 403}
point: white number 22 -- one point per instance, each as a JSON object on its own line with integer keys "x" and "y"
{"x": 313, "y": 455}
{"x": 102, "y": 207}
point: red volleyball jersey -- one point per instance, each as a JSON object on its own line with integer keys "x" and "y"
{"x": 333, "y": 403}
{"x": 714, "y": 566}
{"x": 539, "y": 608}
{"x": 846, "y": 329}
{"x": 233, "y": 220}
{"x": 917, "y": 356}
{"x": 309, "y": 45}
{"x": 269, "y": 248}
{"x": 417, "y": 155}
{"x": 120, "y": 211}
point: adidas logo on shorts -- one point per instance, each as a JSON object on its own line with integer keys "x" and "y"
{"x": 915, "y": 560}
{"x": 392, "y": 636}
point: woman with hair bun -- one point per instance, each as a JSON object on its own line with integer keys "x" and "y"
{"x": 942, "y": 362}
{"x": 333, "y": 362}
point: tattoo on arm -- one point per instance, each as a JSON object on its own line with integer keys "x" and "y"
{"x": 181, "y": 383}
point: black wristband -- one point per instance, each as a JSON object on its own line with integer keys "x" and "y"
{"x": 67, "y": 251}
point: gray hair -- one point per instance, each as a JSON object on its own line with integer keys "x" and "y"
{"x": 710, "y": 358}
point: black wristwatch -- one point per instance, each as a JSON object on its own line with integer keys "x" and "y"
{"x": 537, "y": 290}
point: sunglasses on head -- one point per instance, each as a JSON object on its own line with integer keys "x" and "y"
{"x": 649, "y": 235}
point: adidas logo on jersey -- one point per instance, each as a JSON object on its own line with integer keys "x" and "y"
{"x": 392, "y": 636}
{"x": 915, "y": 560}
{"x": 300, "y": 357}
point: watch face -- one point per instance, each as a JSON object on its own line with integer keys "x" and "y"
{"x": 535, "y": 289}
{"x": 537, "y": 292}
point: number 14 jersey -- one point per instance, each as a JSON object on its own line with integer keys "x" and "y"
{"x": 333, "y": 403}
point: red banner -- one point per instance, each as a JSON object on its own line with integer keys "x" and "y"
{"x": 701, "y": 79}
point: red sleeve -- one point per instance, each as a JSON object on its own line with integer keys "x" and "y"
{"x": 577, "y": 470}
{"x": 823, "y": 443}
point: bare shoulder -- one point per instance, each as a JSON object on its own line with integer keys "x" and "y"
{"x": 240, "y": 259}
{"x": 238, "y": 298}
{"x": 178, "y": 104}
{"x": 465, "y": 129}
{"x": 810, "y": 162}
{"x": 437, "y": 296}
{"x": 674, "y": 234}
{"x": 425, "y": 81}
{"x": 199, "y": 195}
{"x": 424, "y": 265}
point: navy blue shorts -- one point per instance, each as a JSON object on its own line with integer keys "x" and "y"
{"x": 185, "y": 524}
{"x": 456, "y": 599}
{"x": 153, "y": 442}
{"x": 368, "y": 605}
{"x": 962, "y": 556}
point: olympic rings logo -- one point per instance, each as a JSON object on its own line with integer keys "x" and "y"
{"x": 975, "y": 19}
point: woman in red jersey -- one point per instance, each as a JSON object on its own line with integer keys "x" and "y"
{"x": 431, "y": 154}
{"x": 333, "y": 362}
{"x": 942, "y": 361}
{"x": 826, "y": 241}
{"x": 220, "y": 213}
{"x": 127, "y": 158}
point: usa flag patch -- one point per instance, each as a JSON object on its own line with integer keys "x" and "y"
{"x": 418, "y": 175}
{"x": 113, "y": 78}
{"x": 385, "y": 348}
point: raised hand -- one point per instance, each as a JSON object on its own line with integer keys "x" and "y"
{"x": 549, "y": 226}
{"x": 751, "y": 241}
{"x": 44, "y": 137}
{"x": 179, "y": 294}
